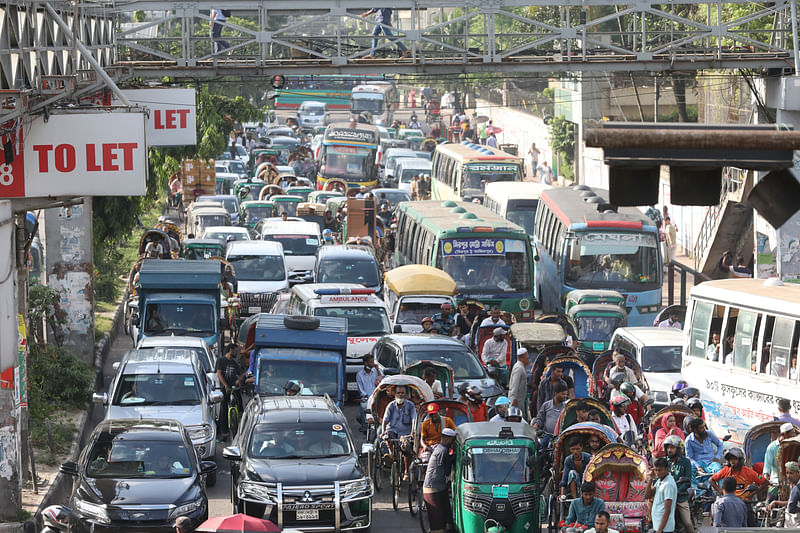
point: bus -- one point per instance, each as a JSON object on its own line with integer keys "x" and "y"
{"x": 515, "y": 201}
{"x": 349, "y": 155}
{"x": 583, "y": 242}
{"x": 333, "y": 90}
{"x": 461, "y": 171}
{"x": 380, "y": 99}
{"x": 488, "y": 257}
{"x": 758, "y": 323}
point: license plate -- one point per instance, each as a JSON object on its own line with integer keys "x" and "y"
{"x": 310, "y": 514}
{"x": 500, "y": 491}
{"x": 352, "y": 386}
{"x": 253, "y": 309}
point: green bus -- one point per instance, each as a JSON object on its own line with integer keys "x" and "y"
{"x": 489, "y": 257}
{"x": 332, "y": 89}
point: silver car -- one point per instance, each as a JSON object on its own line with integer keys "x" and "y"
{"x": 312, "y": 114}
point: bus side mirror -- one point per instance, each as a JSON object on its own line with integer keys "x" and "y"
{"x": 536, "y": 257}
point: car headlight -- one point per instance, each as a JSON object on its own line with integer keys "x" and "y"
{"x": 200, "y": 433}
{"x": 254, "y": 490}
{"x": 93, "y": 510}
{"x": 186, "y": 508}
{"x": 360, "y": 487}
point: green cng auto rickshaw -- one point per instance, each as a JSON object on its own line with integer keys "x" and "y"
{"x": 252, "y": 211}
{"x": 202, "y": 248}
{"x": 593, "y": 296}
{"x": 596, "y": 324}
{"x": 495, "y": 480}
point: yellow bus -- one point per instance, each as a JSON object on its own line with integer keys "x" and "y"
{"x": 461, "y": 171}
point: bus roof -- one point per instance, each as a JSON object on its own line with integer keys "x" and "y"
{"x": 475, "y": 153}
{"x": 502, "y": 191}
{"x": 341, "y": 132}
{"x": 570, "y": 205}
{"x": 752, "y": 293}
{"x": 456, "y": 216}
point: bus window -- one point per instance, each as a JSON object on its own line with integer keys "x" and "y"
{"x": 701, "y": 323}
{"x": 743, "y": 344}
{"x": 780, "y": 352}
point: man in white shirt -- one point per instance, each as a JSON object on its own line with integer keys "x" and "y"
{"x": 493, "y": 319}
{"x": 621, "y": 418}
{"x": 362, "y": 192}
{"x": 601, "y": 521}
{"x": 220, "y": 44}
{"x": 671, "y": 321}
{"x": 712, "y": 352}
{"x": 495, "y": 349}
{"x": 518, "y": 382}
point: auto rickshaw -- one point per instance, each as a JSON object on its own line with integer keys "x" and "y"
{"x": 252, "y": 211}
{"x": 169, "y": 247}
{"x": 321, "y": 197}
{"x": 412, "y": 292}
{"x": 620, "y": 478}
{"x": 444, "y": 375}
{"x": 332, "y": 207}
{"x": 452, "y": 409}
{"x": 268, "y": 191}
{"x": 593, "y": 296}
{"x": 202, "y": 248}
{"x": 171, "y": 229}
{"x": 286, "y": 204}
{"x": 569, "y": 417}
{"x": 596, "y": 324}
{"x": 556, "y": 510}
{"x": 599, "y": 386}
{"x": 575, "y": 368}
{"x": 247, "y": 190}
{"x": 495, "y": 481}
{"x": 300, "y": 190}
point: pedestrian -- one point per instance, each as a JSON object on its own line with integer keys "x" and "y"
{"x": 415, "y": 188}
{"x": 183, "y": 524}
{"x": 518, "y": 382}
{"x": 444, "y": 320}
{"x": 549, "y": 412}
{"x": 681, "y": 469}
{"x": 492, "y": 140}
{"x": 434, "y": 488}
{"x": 383, "y": 23}
{"x": 217, "y": 17}
{"x": 545, "y": 174}
{"x": 547, "y": 387}
{"x": 738, "y": 270}
{"x": 464, "y": 321}
{"x": 671, "y": 236}
{"x": 412, "y": 95}
{"x": 785, "y": 409}
{"x": 483, "y": 134}
{"x": 730, "y": 510}
{"x": 533, "y": 155}
{"x": 583, "y": 510}
{"x": 601, "y": 521}
{"x": 229, "y": 374}
{"x": 367, "y": 380}
{"x": 792, "y": 513}
{"x": 662, "y": 489}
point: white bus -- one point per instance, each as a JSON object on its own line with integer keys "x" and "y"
{"x": 516, "y": 201}
{"x": 380, "y": 99}
{"x": 759, "y": 326}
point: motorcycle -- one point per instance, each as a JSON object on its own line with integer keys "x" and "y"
{"x": 56, "y": 518}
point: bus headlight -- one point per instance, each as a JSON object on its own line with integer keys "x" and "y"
{"x": 524, "y": 304}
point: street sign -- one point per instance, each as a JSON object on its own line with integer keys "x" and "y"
{"x": 79, "y": 154}
{"x": 172, "y": 117}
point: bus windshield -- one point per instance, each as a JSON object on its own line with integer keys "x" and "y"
{"x": 373, "y": 105}
{"x": 486, "y": 265}
{"x": 348, "y": 161}
{"x": 612, "y": 260}
{"x": 477, "y": 176}
{"x": 522, "y": 213}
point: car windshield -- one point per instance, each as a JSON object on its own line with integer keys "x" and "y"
{"x": 212, "y": 220}
{"x": 296, "y": 244}
{"x": 254, "y": 214}
{"x": 236, "y": 167}
{"x": 179, "y": 319}
{"x": 373, "y": 105}
{"x": 229, "y": 204}
{"x": 661, "y": 358}
{"x": 316, "y": 111}
{"x": 414, "y": 312}
{"x": 240, "y": 151}
{"x": 186, "y": 353}
{"x": 395, "y": 197}
{"x": 299, "y": 441}
{"x": 464, "y": 364}
{"x": 203, "y": 252}
{"x": 290, "y": 208}
{"x": 409, "y": 173}
{"x": 124, "y": 458}
{"x": 610, "y": 260}
{"x": 364, "y": 272}
{"x": 493, "y": 272}
{"x": 223, "y": 235}
{"x": 276, "y": 366}
{"x": 258, "y": 267}
{"x": 361, "y": 321}
{"x": 598, "y": 328}
{"x": 497, "y": 465}
{"x": 157, "y": 389}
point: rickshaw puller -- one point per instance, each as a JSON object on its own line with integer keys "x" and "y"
{"x": 434, "y": 489}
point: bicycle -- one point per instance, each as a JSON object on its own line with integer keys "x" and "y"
{"x": 235, "y": 407}
{"x": 396, "y": 470}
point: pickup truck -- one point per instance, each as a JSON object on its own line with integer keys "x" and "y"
{"x": 309, "y": 350}
{"x": 180, "y": 297}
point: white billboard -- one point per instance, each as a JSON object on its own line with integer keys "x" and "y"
{"x": 79, "y": 154}
{"x": 172, "y": 119}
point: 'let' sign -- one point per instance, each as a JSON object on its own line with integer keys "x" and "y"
{"x": 172, "y": 115}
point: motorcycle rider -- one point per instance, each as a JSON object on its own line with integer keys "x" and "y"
{"x": 681, "y": 468}
{"x": 501, "y": 409}
{"x": 414, "y": 123}
{"x": 476, "y": 405}
{"x": 744, "y": 476}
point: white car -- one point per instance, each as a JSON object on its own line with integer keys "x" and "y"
{"x": 224, "y": 233}
{"x": 260, "y": 273}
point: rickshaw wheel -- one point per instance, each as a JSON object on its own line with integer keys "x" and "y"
{"x": 374, "y": 469}
{"x": 413, "y": 490}
{"x": 395, "y": 485}
{"x": 424, "y": 523}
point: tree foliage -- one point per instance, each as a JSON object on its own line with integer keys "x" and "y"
{"x": 562, "y": 137}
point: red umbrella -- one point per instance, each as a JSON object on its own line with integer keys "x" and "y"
{"x": 237, "y": 523}
{"x": 493, "y": 129}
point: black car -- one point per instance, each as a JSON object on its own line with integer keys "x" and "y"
{"x": 138, "y": 475}
{"x": 293, "y": 459}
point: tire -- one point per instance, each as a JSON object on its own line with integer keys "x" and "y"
{"x": 424, "y": 523}
{"x": 374, "y": 470}
{"x": 233, "y": 422}
{"x": 395, "y": 486}
{"x": 378, "y": 466}
{"x": 301, "y": 322}
{"x": 413, "y": 489}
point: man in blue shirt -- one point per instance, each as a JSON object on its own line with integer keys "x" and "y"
{"x": 397, "y": 419}
{"x": 444, "y": 320}
{"x": 730, "y": 510}
{"x": 703, "y": 448}
{"x": 383, "y": 20}
{"x": 574, "y": 465}
{"x": 662, "y": 488}
{"x": 583, "y": 510}
{"x": 785, "y": 408}
{"x": 366, "y": 379}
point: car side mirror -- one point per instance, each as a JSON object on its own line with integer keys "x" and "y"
{"x": 206, "y": 467}
{"x": 135, "y": 319}
{"x": 536, "y": 257}
{"x": 232, "y": 453}
{"x": 102, "y": 399}
{"x": 70, "y": 468}
{"x": 216, "y": 396}
{"x": 115, "y": 366}
{"x": 397, "y": 328}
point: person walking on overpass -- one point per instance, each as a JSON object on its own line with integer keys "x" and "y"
{"x": 383, "y": 23}
{"x": 218, "y": 16}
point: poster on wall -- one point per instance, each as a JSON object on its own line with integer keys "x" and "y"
{"x": 789, "y": 249}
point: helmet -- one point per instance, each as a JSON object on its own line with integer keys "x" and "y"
{"x": 678, "y": 387}
{"x": 57, "y": 517}
{"x": 620, "y": 401}
{"x": 627, "y": 389}
{"x": 678, "y": 401}
{"x": 694, "y": 403}
{"x": 502, "y": 400}
{"x": 462, "y": 388}
{"x": 690, "y": 392}
{"x": 291, "y": 386}
{"x": 618, "y": 379}
{"x": 474, "y": 394}
{"x": 673, "y": 440}
{"x": 327, "y": 234}
{"x": 514, "y": 412}
{"x": 426, "y": 319}
{"x": 735, "y": 452}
